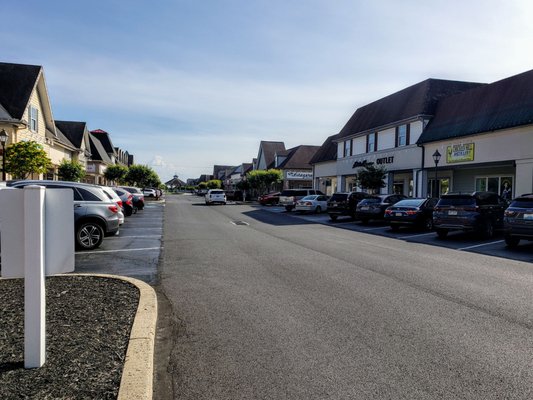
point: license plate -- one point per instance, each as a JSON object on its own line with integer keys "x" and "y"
{"x": 364, "y": 208}
{"x": 452, "y": 212}
{"x": 398, "y": 214}
{"x": 529, "y": 217}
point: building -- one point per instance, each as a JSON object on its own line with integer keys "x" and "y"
{"x": 385, "y": 133}
{"x": 295, "y": 166}
{"x": 485, "y": 138}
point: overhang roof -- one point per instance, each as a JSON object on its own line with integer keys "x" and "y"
{"x": 326, "y": 152}
{"x": 299, "y": 157}
{"x": 17, "y": 82}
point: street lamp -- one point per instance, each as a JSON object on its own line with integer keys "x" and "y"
{"x": 3, "y": 140}
{"x": 436, "y": 158}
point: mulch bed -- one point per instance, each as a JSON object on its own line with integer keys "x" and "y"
{"x": 88, "y": 323}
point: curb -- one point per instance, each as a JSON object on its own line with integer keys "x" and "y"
{"x": 137, "y": 375}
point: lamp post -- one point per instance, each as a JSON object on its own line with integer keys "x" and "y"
{"x": 3, "y": 140}
{"x": 436, "y": 157}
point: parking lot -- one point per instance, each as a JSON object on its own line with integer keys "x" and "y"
{"x": 456, "y": 240}
{"x": 134, "y": 252}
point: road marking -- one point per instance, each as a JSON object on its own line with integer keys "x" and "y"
{"x": 133, "y": 236}
{"x": 373, "y": 229}
{"x": 116, "y": 251}
{"x": 240, "y": 223}
{"x": 480, "y": 245}
{"x": 420, "y": 234}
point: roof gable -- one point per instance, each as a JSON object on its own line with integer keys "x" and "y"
{"x": 267, "y": 151}
{"x": 503, "y": 104}
{"x": 74, "y": 131}
{"x": 299, "y": 157}
{"x": 326, "y": 152}
{"x": 105, "y": 140}
{"x": 17, "y": 82}
{"x": 97, "y": 150}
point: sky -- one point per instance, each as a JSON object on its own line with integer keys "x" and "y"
{"x": 187, "y": 84}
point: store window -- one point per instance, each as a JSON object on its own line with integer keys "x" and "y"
{"x": 502, "y": 185}
{"x": 443, "y": 187}
{"x": 371, "y": 142}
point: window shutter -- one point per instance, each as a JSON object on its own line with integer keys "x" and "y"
{"x": 36, "y": 120}
{"x": 407, "y": 135}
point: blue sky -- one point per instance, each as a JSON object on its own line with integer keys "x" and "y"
{"x": 187, "y": 84}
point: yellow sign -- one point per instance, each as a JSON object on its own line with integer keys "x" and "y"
{"x": 460, "y": 153}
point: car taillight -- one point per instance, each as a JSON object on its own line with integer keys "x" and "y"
{"x": 308, "y": 203}
{"x": 411, "y": 212}
{"x": 437, "y": 208}
{"x": 113, "y": 209}
{"x": 510, "y": 213}
{"x": 119, "y": 203}
{"x": 388, "y": 212}
{"x": 474, "y": 208}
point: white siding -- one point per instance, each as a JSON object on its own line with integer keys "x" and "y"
{"x": 340, "y": 150}
{"x": 415, "y": 131}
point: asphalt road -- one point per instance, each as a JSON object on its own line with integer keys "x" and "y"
{"x": 134, "y": 252}
{"x": 272, "y": 306}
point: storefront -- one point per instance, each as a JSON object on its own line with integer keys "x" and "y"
{"x": 402, "y": 165}
{"x": 500, "y": 162}
{"x": 293, "y": 179}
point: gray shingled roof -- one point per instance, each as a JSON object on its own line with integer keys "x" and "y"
{"x": 503, "y": 104}
{"x": 417, "y": 100}
{"x": 326, "y": 152}
{"x": 98, "y": 151}
{"x": 299, "y": 157}
{"x": 16, "y": 85}
{"x": 73, "y": 130}
{"x": 269, "y": 150}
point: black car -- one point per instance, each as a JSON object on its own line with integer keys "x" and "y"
{"x": 411, "y": 212}
{"x": 374, "y": 206}
{"x": 518, "y": 220}
{"x": 138, "y": 196}
{"x": 344, "y": 204}
{"x": 479, "y": 212}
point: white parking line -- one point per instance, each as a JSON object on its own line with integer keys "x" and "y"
{"x": 117, "y": 251}
{"x": 480, "y": 245}
{"x": 373, "y": 229}
{"x": 133, "y": 236}
{"x": 417, "y": 235}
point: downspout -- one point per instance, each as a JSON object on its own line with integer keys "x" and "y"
{"x": 418, "y": 181}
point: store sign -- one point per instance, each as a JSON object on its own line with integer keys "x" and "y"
{"x": 299, "y": 175}
{"x": 91, "y": 168}
{"x": 363, "y": 163}
{"x": 460, "y": 153}
{"x": 379, "y": 161}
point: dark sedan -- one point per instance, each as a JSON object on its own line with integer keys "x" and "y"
{"x": 411, "y": 212}
{"x": 374, "y": 207}
{"x": 518, "y": 220}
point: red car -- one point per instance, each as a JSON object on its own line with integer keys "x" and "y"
{"x": 271, "y": 198}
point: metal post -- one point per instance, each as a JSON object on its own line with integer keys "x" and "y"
{"x": 3, "y": 161}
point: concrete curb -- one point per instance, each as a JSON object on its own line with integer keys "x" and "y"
{"x": 137, "y": 375}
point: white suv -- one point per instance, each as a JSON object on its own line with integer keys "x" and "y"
{"x": 215, "y": 196}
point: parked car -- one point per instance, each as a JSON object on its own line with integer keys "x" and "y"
{"x": 95, "y": 216}
{"x": 315, "y": 203}
{"x": 479, "y": 212}
{"x": 344, "y": 204}
{"x": 115, "y": 198}
{"x": 215, "y": 196}
{"x": 149, "y": 192}
{"x": 201, "y": 192}
{"x": 269, "y": 199}
{"x": 411, "y": 212}
{"x": 374, "y": 207}
{"x": 518, "y": 220}
{"x": 234, "y": 195}
{"x": 138, "y": 196}
{"x": 127, "y": 201}
{"x": 289, "y": 197}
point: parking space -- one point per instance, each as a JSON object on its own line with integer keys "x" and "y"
{"x": 459, "y": 241}
{"x": 134, "y": 252}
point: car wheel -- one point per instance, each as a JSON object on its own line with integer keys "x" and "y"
{"x": 512, "y": 241}
{"x": 128, "y": 212}
{"x": 488, "y": 230}
{"x": 288, "y": 208}
{"x": 395, "y": 228}
{"x": 428, "y": 224}
{"x": 333, "y": 218}
{"x": 89, "y": 235}
{"x": 442, "y": 233}
{"x": 364, "y": 221}
{"x": 318, "y": 209}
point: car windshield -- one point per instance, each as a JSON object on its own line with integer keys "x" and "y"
{"x": 370, "y": 200}
{"x": 313, "y": 197}
{"x": 523, "y": 202}
{"x": 456, "y": 201}
{"x": 217, "y": 192}
{"x": 410, "y": 203}
{"x": 339, "y": 197}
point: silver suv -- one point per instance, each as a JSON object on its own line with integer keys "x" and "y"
{"x": 95, "y": 216}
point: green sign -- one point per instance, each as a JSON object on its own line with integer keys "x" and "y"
{"x": 460, "y": 153}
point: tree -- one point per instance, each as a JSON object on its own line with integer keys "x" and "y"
{"x": 25, "y": 158}
{"x": 371, "y": 177}
{"x": 116, "y": 173}
{"x": 214, "y": 184}
{"x": 202, "y": 185}
{"x": 142, "y": 176}
{"x": 262, "y": 180}
{"x": 70, "y": 171}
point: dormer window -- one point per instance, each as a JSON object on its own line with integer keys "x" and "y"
{"x": 402, "y": 135}
{"x": 371, "y": 142}
{"x": 33, "y": 116}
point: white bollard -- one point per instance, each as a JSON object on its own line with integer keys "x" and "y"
{"x": 34, "y": 290}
